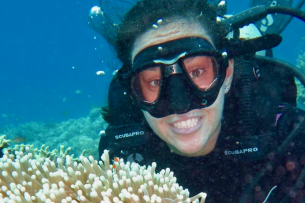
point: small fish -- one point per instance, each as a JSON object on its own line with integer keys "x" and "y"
{"x": 155, "y": 26}
{"x": 115, "y": 72}
{"x": 115, "y": 160}
{"x": 102, "y": 133}
{"x": 65, "y": 113}
{"x": 159, "y": 22}
{"x": 100, "y": 73}
{"x": 18, "y": 139}
{"x": 303, "y": 38}
{"x": 78, "y": 92}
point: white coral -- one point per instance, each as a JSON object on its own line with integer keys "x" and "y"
{"x": 25, "y": 179}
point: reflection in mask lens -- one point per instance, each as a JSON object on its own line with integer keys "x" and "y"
{"x": 202, "y": 71}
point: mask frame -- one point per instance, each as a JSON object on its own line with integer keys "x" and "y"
{"x": 175, "y": 51}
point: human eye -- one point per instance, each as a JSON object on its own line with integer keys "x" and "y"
{"x": 151, "y": 78}
{"x": 155, "y": 83}
{"x": 196, "y": 72}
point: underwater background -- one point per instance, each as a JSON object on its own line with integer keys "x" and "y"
{"x": 49, "y": 91}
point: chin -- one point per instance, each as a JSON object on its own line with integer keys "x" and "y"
{"x": 191, "y": 149}
{"x": 199, "y": 144}
{"x": 190, "y": 153}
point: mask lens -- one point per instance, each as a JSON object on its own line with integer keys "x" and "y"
{"x": 202, "y": 70}
{"x": 147, "y": 84}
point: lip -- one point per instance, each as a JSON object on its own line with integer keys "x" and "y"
{"x": 186, "y": 131}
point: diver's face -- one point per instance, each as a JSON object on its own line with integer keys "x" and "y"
{"x": 193, "y": 133}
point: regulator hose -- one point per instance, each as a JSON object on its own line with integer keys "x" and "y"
{"x": 257, "y": 13}
{"x": 276, "y": 62}
{"x": 298, "y": 6}
{"x": 287, "y": 10}
{"x": 245, "y": 97}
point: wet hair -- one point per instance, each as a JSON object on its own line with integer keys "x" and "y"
{"x": 147, "y": 12}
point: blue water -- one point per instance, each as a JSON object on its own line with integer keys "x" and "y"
{"x": 49, "y": 56}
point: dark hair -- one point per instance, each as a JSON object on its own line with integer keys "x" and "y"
{"x": 147, "y": 12}
{"x": 120, "y": 107}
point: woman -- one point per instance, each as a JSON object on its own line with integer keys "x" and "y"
{"x": 176, "y": 70}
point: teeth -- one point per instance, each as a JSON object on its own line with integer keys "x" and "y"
{"x": 187, "y": 124}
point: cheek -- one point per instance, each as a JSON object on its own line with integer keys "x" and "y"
{"x": 215, "y": 111}
{"x": 154, "y": 123}
{"x": 158, "y": 125}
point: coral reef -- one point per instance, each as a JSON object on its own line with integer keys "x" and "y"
{"x": 68, "y": 133}
{"x": 43, "y": 152}
{"x": 3, "y": 144}
{"x": 24, "y": 178}
{"x": 300, "y": 88}
{"x": 301, "y": 61}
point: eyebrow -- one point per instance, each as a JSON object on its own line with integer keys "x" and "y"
{"x": 187, "y": 60}
{"x": 152, "y": 68}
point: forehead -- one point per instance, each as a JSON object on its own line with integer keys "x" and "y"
{"x": 168, "y": 32}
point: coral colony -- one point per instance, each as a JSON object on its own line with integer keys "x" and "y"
{"x": 31, "y": 175}
{"x": 70, "y": 133}
{"x": 300, "y": 87}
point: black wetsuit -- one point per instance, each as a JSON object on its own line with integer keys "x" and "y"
{"x": 236, "y": 167}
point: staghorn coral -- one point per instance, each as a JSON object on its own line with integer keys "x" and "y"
{"x": 26, "y": 179}
{"x": 3, "y": 144}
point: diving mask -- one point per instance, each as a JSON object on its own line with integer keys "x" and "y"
{"x": 175, "y": 77}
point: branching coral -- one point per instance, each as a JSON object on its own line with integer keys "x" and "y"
{"x": 3, "y": 143}
{"x": 43, "y": 152}
{"x": 26, "y": 179}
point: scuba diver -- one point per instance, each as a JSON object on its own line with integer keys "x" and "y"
{"x": 193, "y": 96}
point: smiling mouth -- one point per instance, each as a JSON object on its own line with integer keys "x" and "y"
{"x": 189, "y": 123}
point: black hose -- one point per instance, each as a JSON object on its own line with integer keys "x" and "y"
{"x": 256, "y": 13}
{"x": 276, "y": 62}
{"x": 287, "y": 10}
{"x": 298, "y": 6}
